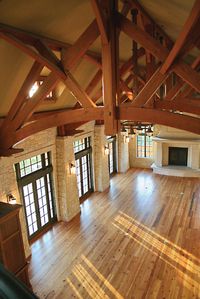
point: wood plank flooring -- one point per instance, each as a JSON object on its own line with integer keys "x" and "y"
{"x": 140, "y": 239}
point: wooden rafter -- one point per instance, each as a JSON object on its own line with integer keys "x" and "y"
{"x": 176, "y": 120}
{"x": 78, "y": 92}
{"x": 29, "y": 107}
{"x": 186, "y": 31}
{"x": 33, "y": 54}
{"x": 58, "y": 119}
{"x": 94, "y": 82}
{"x": 156, "y": 49}
{"x": 68, "y": 79}
{"x": 71, "y": 56}
{"x": 101, "y": 20}
{"x": 110, "y": 62}
{"x": 149, "y": 89}
{"x": 30, "y": 38}
{"x": 183, "y": 105}
{"x": 148, "y": 20}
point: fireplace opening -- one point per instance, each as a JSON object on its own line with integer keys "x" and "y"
{"x": 178, "y": 156}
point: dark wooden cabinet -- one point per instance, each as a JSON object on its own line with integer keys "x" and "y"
{"x": 12, "y": 254}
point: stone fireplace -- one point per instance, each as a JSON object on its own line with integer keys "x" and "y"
{"x": 177, "y": 157}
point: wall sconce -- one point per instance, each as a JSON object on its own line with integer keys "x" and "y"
{"x": 106, "y": 150}
{"x": 123, "y": 131}
{"x": 72, "y": 168}
{"x": 11, "y": 199}
{"x": 127, "y": 139}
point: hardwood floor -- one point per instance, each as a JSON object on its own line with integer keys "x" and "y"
{"x": 141, "y": 239}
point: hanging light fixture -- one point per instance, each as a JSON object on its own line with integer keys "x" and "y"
{"x": 131, "y": 132}
{"x": 129, "y": 129}
{"x": 123, "y": 131}
{"x": 139, "y": 129}
{"x": 149, "y": 131}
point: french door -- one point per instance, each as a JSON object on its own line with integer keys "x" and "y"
{"x": 37, "y": 194}
{"x": 112, "y": 155}
{"x": 83, "y": 152}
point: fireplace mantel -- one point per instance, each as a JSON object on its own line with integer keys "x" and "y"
{"x": 175, "y": 140}
{"x": 161, "y": 164}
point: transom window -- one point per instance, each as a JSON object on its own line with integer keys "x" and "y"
{"x": 144, "y": 145}
{"x": 81, "y": 144}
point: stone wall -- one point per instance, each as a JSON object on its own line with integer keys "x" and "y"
{"x": 101, "y": 170}
{"x": 123, "y": 154}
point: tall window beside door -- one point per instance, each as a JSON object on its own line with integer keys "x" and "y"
{"x": 144, "y": 145}
{"x": 35, "y": 184}
{"x": 83, "y": 161}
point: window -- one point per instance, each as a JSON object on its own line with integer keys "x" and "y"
{"x": 50, "y": 97}
{"x": 83, "y": 151}
{"x": 36, "y": 189}
{"x": 144, "y": 145}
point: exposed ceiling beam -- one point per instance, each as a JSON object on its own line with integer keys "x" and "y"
{"x": 33, "y": 54}
{"x": 30, "y": 39}
{"x": 185, "y": 33}
{"x": 94, "y": 82}
{"x": 182, "y": 105}
{"x": 22, "y": 94}
{"x": 149, "y": 20}
{"x": 58, "y": 119}
{"x": 71, "y": 56}
{"x": 176, "y": 120}
{"x": 28, "y": 109}
{"x": 110, "y": 68}
{"x": 68, "y": 79}
{"x": 78, "y": 92}
{"x": 156, "y": 49}
{"x": 149, "y": 89}
{"x": 101, "y": 20}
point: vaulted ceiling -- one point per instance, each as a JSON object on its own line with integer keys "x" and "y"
{"x": 109, "y": 61}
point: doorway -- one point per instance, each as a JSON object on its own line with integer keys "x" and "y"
{"x": 34, "y": 177}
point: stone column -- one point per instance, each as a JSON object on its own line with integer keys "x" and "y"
{"x": 195, "y": 156}
{"x": 158, "y": 154}
{"x": 101, "y": 170}
{"x": 123, "y": 154}
{"x": 68, "y": 198}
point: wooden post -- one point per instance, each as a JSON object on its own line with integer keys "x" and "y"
{"x": 110, "y": 58}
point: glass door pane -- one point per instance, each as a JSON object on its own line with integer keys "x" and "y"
{"x": 30, "y": 208}
{"x": 85, "y": 174}
{"x": 78, "y": 174}
{"x": 42, "y": 201}
{"x": 110, "y": 158}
